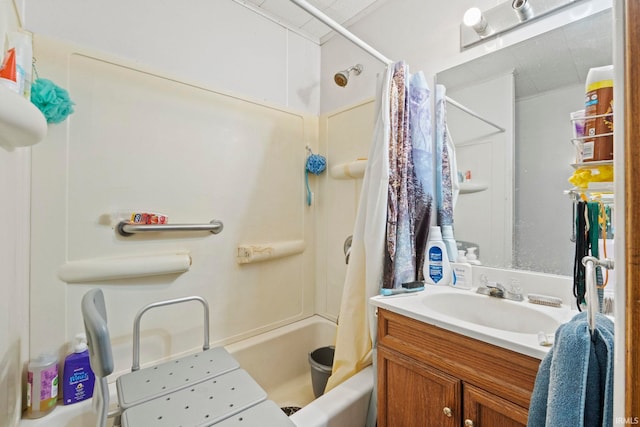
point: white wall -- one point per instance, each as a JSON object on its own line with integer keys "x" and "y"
{"x": 14, "y": 278}
{"x": 14, "y": 262}
{"x": 218, "y": 44}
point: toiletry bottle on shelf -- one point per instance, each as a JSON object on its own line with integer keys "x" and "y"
{"x": 78, "y": 378}
{"x": 437, "y": 270}
{"x": 472, "y": 257}
{"x": 462, "y": 272}
{"x": 450, "y": 242}
{"x": 8, "y": 75}
{"x": 22, "y": 43}
{"x": 42, "y": 385}
{"x": 598, "y": 144}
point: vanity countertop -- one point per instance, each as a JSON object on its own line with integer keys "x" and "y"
{"x": 514, "y": 325}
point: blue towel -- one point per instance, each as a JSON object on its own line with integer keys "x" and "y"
{"x": 574, "y": 385}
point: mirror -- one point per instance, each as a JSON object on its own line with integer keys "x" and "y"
{"x": 514, "y": 205}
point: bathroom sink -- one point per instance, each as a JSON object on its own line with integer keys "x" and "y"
{"x": 496, "y": 313}
{"x": 508, "y": 324}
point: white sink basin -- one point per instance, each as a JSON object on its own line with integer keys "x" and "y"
{"x": 492, "y": 312}
{"x": 509, "y": 324}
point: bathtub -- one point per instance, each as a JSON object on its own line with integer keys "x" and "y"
{"x": 278, "y": 361}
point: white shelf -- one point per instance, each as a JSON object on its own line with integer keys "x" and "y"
{"x": 21, "y": 123}
{"x": 472, "y": 187}
{"x": 590, "y": 165}
{"x": 594, "y": 187}
{"x": 602, "y": 191}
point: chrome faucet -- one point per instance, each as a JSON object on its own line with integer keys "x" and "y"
{"x": 497, "y": 290}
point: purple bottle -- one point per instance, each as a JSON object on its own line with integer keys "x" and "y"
{"x": 78, "y": 378}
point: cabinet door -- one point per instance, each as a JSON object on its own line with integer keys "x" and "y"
{"x": 484, "y": 409}
{"x": 412, "y": 394}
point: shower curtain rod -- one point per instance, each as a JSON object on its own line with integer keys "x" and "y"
{"x": 473, "y": 113}
{"x": 318, "y": 14}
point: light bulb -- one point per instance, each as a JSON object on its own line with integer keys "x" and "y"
{"x": 473, "y": 18}
{"x": 523, "y": 9}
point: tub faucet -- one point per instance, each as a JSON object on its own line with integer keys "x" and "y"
{"x": 347, "y": 248}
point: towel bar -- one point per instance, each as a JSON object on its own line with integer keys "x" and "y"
{"x": 126, "y": 228}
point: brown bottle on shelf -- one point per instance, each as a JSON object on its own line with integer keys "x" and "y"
{"x": 598, "y": 101}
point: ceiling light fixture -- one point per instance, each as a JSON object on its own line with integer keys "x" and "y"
{"x": 478, "y": 26}
{"x": 523, "y": 9}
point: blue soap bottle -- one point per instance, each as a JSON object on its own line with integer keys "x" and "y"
{"x": 78, "y": 378}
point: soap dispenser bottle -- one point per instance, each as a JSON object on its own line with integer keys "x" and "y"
{"x": 472, "y": 257}
{"x": 78, "y": 377}
{"x": 462, "y": 272}
{"x": 437, "y": 270}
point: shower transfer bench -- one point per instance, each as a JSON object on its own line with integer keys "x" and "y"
{"x": 203, "y": 389}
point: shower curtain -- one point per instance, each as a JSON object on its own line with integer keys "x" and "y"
{"x": 447, "y": 185}
{"x": 394, "y": 214}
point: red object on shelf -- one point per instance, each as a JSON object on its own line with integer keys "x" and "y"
{"x": 8, "y": 70}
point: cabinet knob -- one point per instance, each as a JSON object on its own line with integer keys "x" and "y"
{"x": 447, "y": 411}
{"x": 468, "y": 423}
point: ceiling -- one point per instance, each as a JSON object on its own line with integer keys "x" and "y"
{"x": 554, "y": 59}
{"x": 345, "y": 12}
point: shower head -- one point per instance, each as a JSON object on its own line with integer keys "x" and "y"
{"x": 342, "y": 77}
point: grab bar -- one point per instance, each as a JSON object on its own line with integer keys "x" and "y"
{"x": 127, "y": 229}
{"x": 136, "y": 324}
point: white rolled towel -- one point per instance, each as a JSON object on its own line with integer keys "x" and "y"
{"x": 268, "y": 251}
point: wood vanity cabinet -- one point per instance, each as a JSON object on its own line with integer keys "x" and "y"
{"x": 431, "y": 377}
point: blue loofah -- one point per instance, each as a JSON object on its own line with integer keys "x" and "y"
{"x": 316, "y": 164}
{"x": 52, "y": 100}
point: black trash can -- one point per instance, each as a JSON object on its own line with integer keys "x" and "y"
{"x": 321, "y": 361}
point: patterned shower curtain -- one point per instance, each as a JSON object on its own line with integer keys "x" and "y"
{"x": 410, "y": 191}
{"x": 447, "y": 186}
{"x": 394, "y": 214}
